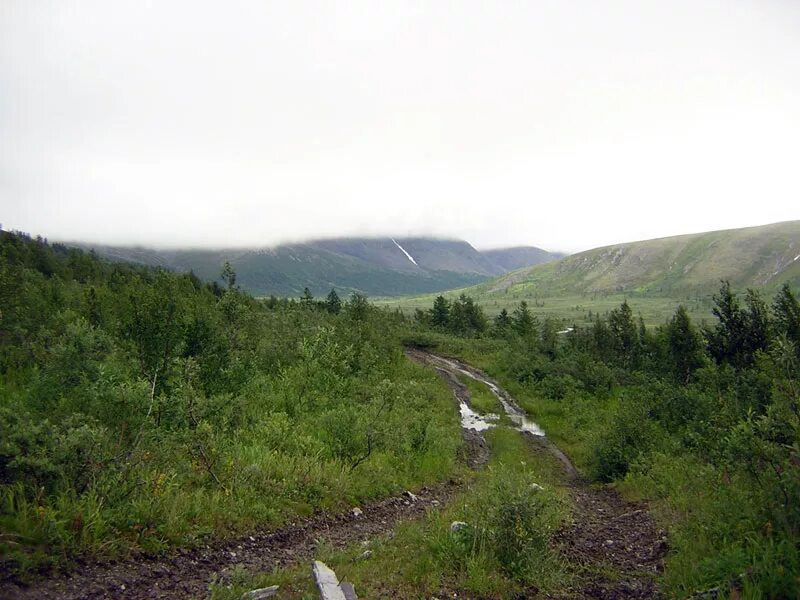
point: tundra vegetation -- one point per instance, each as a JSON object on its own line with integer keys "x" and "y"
{"x": 142, "y": 410}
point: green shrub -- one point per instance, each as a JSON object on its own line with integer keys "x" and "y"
{"x": 42, "y": 455}
{"x": 509, "y": 526}
{"x": 520, "y": 526}
{"x": 630, "y": 434}
{"x": 556, "y": 387}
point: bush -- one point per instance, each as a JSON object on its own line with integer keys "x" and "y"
{"x": 519, "y": 526}
{"x": 630, "y": 434}
{"x": 556, "y": 387}
{"x": 509, "y": 527}
{"x": 45, "y": 455}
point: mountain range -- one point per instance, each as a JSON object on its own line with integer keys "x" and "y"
{"x": 372, "y": 266}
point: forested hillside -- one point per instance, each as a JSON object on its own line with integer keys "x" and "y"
{"x": 373, "y": 266}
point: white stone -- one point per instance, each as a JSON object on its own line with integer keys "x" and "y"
{"x": 458, "y": 526}
{"x": 327, "y": 583}
{"x": 261, "y": 593}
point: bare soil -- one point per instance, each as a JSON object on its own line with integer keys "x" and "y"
{"x": 187, "y": 573}
{"x": 617, "y": 543}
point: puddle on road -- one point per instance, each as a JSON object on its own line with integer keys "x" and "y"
{"x": 514, "y": 413}
{"x": 472, "y": 420}
{"x": 517, "y": 416}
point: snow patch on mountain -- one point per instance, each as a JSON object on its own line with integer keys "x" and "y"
{"x": 403, "y": 250}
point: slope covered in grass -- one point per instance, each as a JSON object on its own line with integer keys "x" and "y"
{"x": 654, "y": 275}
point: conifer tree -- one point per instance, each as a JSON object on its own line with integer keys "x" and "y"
{"x": 624, "y": 333}
{"x": 739, "y": 333}
{"x": 357, "y": 307}
{"x": 786, "y": 309}
{"x": 228, "y": 275}
{"x": 502, "y": 322}
{"x": 440, "y": 313}
{"x": 307, "y": 299}
{"x": 332, "y": 302}
{"x": 685, "y": 345}
{"x": 524, "y": 322}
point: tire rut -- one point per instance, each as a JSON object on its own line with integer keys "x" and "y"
{"x": 615, "y": 543}
{"x": 186, "y": 573}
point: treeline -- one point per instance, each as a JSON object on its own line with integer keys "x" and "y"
{"x": 357, "y": 306}
{"x": 703, "y": 421}
{"x": 463, "y": 317}
{"x": 141, "y": 409}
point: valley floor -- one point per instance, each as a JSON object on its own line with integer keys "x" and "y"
{"x": 580, "y": 310}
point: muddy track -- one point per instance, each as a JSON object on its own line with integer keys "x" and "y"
{"x": 476, "y": 451}
{"x": 615, "y": 543}
{"x": 608, "y": 535}
{"x": 187, "y": 573}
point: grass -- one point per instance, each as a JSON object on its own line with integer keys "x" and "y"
{"x": 482, "y": 399}
{"x": 574, "y": 309}
{"x": 423, "y": 558}
{"x": 272, "y": 471}
{"x": 570, "y": 422}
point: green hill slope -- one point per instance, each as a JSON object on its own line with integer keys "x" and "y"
{"x": 752, "y": 257}
{"x": 654, "y": 275}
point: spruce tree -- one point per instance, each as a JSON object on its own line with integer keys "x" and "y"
{"x": 624, "y": 333}
{"x": 685, "y": 345}
{"x": 440, "y": 313}
{"x": 307, "y": 299}
{"x": 524, "y": 322}
{"x": 502, "y": 322}
{"x": 228, "y": 275}
{"x": 332, "y": 302}
{"x": 786, "y": 310}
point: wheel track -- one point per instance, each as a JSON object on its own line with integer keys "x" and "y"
{"x": 607, "y": 532}
{"x": 614, "y": 543}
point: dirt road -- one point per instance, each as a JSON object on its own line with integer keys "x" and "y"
{"x": 616, "y": 542}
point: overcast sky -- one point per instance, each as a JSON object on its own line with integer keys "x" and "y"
{"x": 563, "y": 124}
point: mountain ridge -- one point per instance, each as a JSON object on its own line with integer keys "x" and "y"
{"x": 654, "y": 275}
{"x": 376, "y": 266}
{"x": 757, "y": 256}
{"x": 751, "y": 256}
